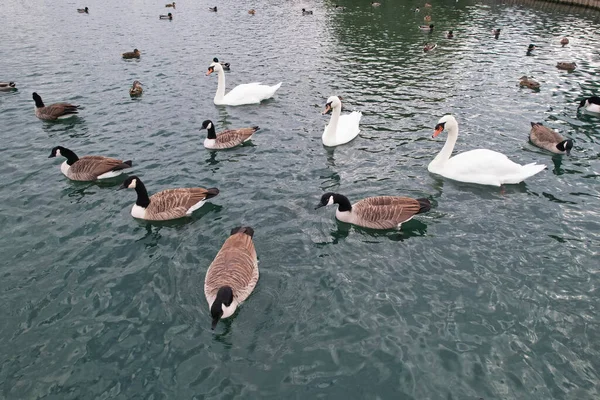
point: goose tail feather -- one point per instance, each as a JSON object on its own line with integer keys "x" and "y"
{"x": 243, "y": 229}
{"x": 424, "y": 205}
{"x": 212, "y": 192}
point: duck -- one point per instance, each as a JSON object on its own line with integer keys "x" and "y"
{"x": 214, "y": 9}
{"x": 547, "y": 139}
{"x": 375, "y": 4}
{"x": 426, "y": 28}
{"x": 530, "y": 83}
{"x": 83, "y": 10}
{"x": 591, "y": 104}
{"x": 232, "y": 276}
{"x": 249, "y": 93}
{"x": 168, "y": 204}
{"x": 306, "y": 12}
{"x": 169, "y": 16}
{"x": 132, "y": 54}
{"x": 564, "y": 41}
{"x": 569, "y": 66}
{"x": 429, "y": 47}
{"x": 136, "y": 89}
{"x": 341, "y": 128}
{"x": 228, "y": 138}
{"x": 496, "y": 33}
{"x": 53, "y": 111}
{"x": 252, "y": 11}
{"x": 381, "y": 212}
{"x": 170, "y": 5}
{"x": 450, "y": 35}
{"x": 7, "y": 86}
{"x": 481, "y": 166}
{"x": 88, "y": 168}
{"x": 427, "y": 18}
{"x": 530, "y": 49}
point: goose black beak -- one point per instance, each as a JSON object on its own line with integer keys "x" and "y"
{"x": 320, "y": 205}
{"x": 214, "y": 324}
{"x": 568, "y": 152}
{"x": 122, "y": 186}
{"x": 51, "y": 156}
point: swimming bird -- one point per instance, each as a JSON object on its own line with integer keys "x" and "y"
{"x": 226, "y": 139}
{"x": 88, "y": 168}
{"x": 169, "y": 16}
{"x": 450, "y": 35}
{"x": 591, "y": 104}
{"x": 427, "y": 18}
{"x": 338, "y": 7}
{"x": 168, "y": 204}
{"x": 252, "y": 11}
{"x": 213, "y": 8}
{"x": 548, "y": 139}
{"x": 569, "y": 66}
{"x": 481, "y": 166}
{"x": 226, "y": 66}
{"x": 426, "y": 28}
{"x": 132, "y": 54}
{"x": 416, "y": 10}
{"x": 530, "y": 83}
{"x": 249, "y": 93}
{"x": 381, "y": 212}
{"x": 232, "y": 275}
{"x": 530, "y": 49}
{"x": 170, "y": 5}
{"x": 305, "y": 12}
{"x": 564, "y": 41}
{"x": 496, "y": 33}
{"x": 83, "y": 10}
{"x": 7, "y": 86}
{"x": 375, "y": 4}
{"x": 136, "y": 89}
{"x": 429, "y": 47}
{"x": 53, "y": 111}
{"x": 341, "y": 128}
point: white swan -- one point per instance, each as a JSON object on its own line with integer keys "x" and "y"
{"x": 249, "y": 93}
{"x": 341, "y": 129}
{"x": 482, "y": 166}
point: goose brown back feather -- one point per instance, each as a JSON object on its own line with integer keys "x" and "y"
{"x": 174, "y": 203}
{"x": 233, "y": 137}
{"x": 88, "y": 168}
{"x": 386, "y": 212}
{"x": 56, "y": 110}
{"x": 236, "y": 266}
{"x": 545, "y": 137}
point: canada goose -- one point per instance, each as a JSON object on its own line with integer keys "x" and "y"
{"x": 83, "y": 10}
{"x": 530, "y": 83}
{"x": 374, "y": 4}
{"x": 53, "y": 111}
{"x": 136, "y": 89}
{"x": 170, "y": 5}
{"x": 132, "y": 54}
{"x": 232, "y": 275}
{"x": 416, "y": 10}
{"x": 382, "y": 212}
{"x": 530, "y": 49}
{"x": 449, "y": 35}
{"x": 564, "y": 41}
{"x": 305, "y": 12}
{"x": 168, "y": 204}
{"x": 426, "y": 28}
{"x": 226, "y": 139}
{"x": 591, "y": 104}
{"x": 569, "y": 66}
{"x": 548, "y": 139}
{"x": 7, "y": 86}
{"x": 88, "y": 168}
{"x": 214, "y": 9}
{"x": 169, "y": 16}
{"x": 252, "y": 11}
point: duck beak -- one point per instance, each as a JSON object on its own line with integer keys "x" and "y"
{"x": 327, "y": 109}
{"x": 438, "y": 129}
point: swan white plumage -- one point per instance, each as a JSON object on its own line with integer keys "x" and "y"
{"x": 341, "y": 128}
{"x": 481, "y": 166}
{"x": 248, "y": 93}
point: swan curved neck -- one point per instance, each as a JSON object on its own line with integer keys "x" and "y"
{"x": 333, "y": 122}
{"x": 220, "y": 86}
{"x": 446, "y": 152}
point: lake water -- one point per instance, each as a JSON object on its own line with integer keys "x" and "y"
{"x": 493, "y": 294}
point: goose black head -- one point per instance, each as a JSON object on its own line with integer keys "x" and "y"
{"x": 129, "y": 183}
{"x": 566, "y": 146}
{"x": 223, "y": 300}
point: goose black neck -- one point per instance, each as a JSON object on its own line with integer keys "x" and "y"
{"x": 38, "y": 100}
{"x": 69, "y": 155}
{"x": 212, "y": 134}
{"x": 142, "y": 195}
{"x": 343, "y": 202}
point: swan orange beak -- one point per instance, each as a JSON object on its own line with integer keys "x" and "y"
{"x": 439, "y": 128}
{"x": 327, "y": 109}
{"x": 210, "y": 71}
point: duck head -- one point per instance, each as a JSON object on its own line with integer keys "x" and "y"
{"x": 223, "y": 306}
{"x": 332, "y": 102}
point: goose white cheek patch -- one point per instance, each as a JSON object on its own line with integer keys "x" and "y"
{"x": 209, "y": 126}
{"x": 330, "y": 202}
